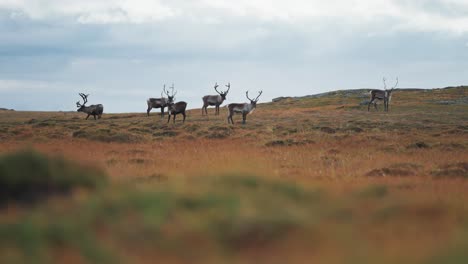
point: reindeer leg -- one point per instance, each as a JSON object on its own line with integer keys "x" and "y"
{"x": 94, "y": 117}
{"x": 368, "y": 106}
{"x": 87, "y": 116}
{"x": 184, "y": 117}
{"x": 244, "y": 117}
{"x": 168, "y": 117}
{"x": 173, "y": 120}
{"x": 148, "y": 111}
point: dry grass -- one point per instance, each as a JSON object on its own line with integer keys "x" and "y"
{"x": 393, "y": 163}
{"x": 310, "y": 143}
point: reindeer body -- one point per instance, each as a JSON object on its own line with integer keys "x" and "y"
{"x": 214, "y": 100}
{"x": 157, "y": 103}
{"x": 94, "y": 110}
{"x": 211, "y": 100}
{"x": 161, "y": 102}
{"x": 381, "y": 95}
{"x": 244, "y": 109}
{"x": 177, "y": 108}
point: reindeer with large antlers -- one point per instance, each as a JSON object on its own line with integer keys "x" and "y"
{"x": 244, "y": 109}
{"x": 160, "y": 102}
{"x": 94, "y": 110}
{"x": 382, "y": 95}
{"x": 175, "y": 108}
{"x": 216, "y": 100}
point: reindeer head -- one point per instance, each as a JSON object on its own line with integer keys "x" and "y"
{"x": 222, "y": 94}
{"x": 81, "y": 107}
{"x": 253, "y": 102}
{"x": 170, "y": 97}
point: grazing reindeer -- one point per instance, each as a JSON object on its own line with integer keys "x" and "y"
{"x": 385, "y": 95}
{"x": 244, "y": 108}
{"x": 215, "y": 100}
{"x": 160, "y": 102}
{"x": 176, "y": 108}
{"x": 94, "y": 110}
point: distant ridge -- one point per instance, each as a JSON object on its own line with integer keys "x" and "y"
{"x": 362, "y": 91}
{"x": 6, "y": 109}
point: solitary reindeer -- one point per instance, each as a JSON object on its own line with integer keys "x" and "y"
{"x": 160, "y": 102}
{"x": 215, "y": 100}
{"x": 244, "y": 109}
{"x": 94, "y": 110}
{"x": 385, "y": 95}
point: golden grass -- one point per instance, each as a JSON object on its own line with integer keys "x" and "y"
{"x": 301, "y": 144}
{"x": 330, "y": 143}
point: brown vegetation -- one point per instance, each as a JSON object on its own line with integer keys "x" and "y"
{"x": 394, "y": 181}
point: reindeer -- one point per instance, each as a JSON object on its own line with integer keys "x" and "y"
{"x": 215, "y": 100}
{"x": 244, "y": 108}
{"x": 94, "y": 110}
{"x": 176, "y": 108}
{"x": 160, "y": 102}
{"x": 385, "y": 95}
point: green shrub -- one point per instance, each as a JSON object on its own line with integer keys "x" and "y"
{"x": 27, "y": 175}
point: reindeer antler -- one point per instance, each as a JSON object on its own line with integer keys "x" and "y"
{"x": 85, "y": 99}
{"x": 395, "y": 84}
{"x": 385, "y": 84}
{"x": 228, "y": 86}
{"x": 165, "y": 91}
{"x": 172, "y": 87}
{"x": 247, "y": 94}
{"x": 260, "y": 93}
{"x": 216, "y": 86}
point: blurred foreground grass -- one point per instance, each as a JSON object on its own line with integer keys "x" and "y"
{"x": 215, "y": 219}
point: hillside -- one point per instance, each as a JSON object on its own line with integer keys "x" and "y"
{"x": 363, "y": 93}
{"x": 307, "y": 179}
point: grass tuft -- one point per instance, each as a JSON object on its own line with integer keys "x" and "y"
{"x": 455, "y": 170}
{"x": 28, "y": 175}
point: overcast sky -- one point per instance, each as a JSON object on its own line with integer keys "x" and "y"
{"x": 123, "y": 51}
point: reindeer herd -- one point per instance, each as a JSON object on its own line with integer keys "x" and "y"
{"x": 216, "y": 100}
{"x": 175, "y": 108}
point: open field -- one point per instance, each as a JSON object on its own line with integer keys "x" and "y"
{"x": 305, "y": 180}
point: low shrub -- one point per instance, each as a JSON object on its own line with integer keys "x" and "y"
{"x": 419, "y": 145}
{"x": 28, "y": 175}
{"x": 456, "y": 170}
